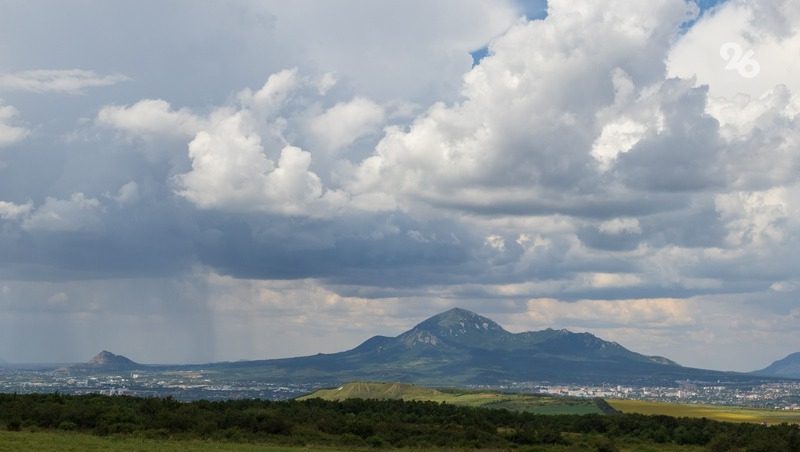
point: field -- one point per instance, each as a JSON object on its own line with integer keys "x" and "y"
{"x": 516, "y": 402}
{"x": 715, "y": 412}
{"x": 49, "y": 441}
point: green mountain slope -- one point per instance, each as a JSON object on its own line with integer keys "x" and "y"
{"x": 460, "y": 347}
{"x": 788, "y": 367}
{"x": 530, "y": 403}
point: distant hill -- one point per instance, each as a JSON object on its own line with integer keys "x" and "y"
{"x": 532, "y": 403}
{"x": 460, "y": 347}
{"x": 107, "y": 361}
{"x": 788, "y": 367}
{"x": 374, "y": 390}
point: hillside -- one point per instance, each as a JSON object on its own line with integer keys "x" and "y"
{"x": 460, "y": 347}
{"x": 788, "y": 367}
{"x": 530, "y": 403}
{"x": 374, "y": 390}
{"x": 107, "y": 361}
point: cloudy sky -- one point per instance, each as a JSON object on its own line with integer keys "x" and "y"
{"x": 189, "y": 181}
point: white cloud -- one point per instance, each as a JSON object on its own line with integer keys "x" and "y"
{"x": 10, "y": 134}
{"x": 325, "y": 83}
{"x": 151, "y": 117}
{"x": 621, "y": 226}
{"x": 128, "y": 193}
{"x": 274, "y": 94}
{"x": 532, "y": 109}
{"x": 63, "y": 81}
{"x": 11, "y": 211}
{"x": 78, "y": 213}
{"x": 390, "y": 50}
{"x": 345, "y": 122}
{"x": 230, "y": 171}
{"x": 636, "y": 313}
{"x": 758, "y": 113}
{"x": 765, "y": 32}
{"x": 757, "y": 218}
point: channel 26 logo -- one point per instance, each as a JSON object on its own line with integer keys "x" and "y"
{"x": 739, "y": 60}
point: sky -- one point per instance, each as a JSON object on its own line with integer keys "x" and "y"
{"x": 186, "y": 181}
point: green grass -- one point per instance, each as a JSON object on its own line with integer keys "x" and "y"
{"x": 715, "y": 412}
{"x": 50, "y": 441}
{"x": 516, "y": 402}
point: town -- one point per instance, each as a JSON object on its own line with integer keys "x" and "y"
{"x": 200, "y": 384}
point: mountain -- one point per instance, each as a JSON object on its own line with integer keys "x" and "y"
{"x": 461, "y": 347}
{"x": 788, "y": 367}
{"x": 107, "y": 361}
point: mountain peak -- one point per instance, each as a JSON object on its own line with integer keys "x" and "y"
{"x": 456, "y": 325}
{"x": 458, "y": 321}
{"x": 107, "y": 360}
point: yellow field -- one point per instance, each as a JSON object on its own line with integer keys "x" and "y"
{"x": 715, "y": 412}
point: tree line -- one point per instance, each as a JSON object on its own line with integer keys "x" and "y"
{"x": 375, "y": 423}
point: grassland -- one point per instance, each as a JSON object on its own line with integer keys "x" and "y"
{"x": 715, "y": 412}
{"x": 528, "y": 403}
{"x": 54, "y": 441}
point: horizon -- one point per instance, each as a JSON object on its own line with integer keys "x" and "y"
{"x": 455, "y": 308}
{"x": 200, "y": 182}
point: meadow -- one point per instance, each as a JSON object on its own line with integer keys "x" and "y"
{"x": 714, "y": 412}
{"x": 528, "y": 403}
{"x": 55, "y": 441}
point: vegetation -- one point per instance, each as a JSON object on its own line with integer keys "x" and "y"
{"x": 358, "y": 423}
{"x": 714, "y": 412}
{"x": 515, "y": 402}
{"x": 58, "y": 441}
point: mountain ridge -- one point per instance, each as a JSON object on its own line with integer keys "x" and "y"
{"x": 787, "y": 367}
{"x": 461, "y": 347}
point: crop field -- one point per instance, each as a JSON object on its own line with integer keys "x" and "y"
{"x": 515, "y": 402}
{"x": 715, "y": 412}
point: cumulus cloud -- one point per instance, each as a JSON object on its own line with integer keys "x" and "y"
{"x": 62, "y": 81}
{"x": 10, "y": 134}
{"x": 11, "y": 211}
{"x": 601, "y": 162}
{"x": 275, "y": 92}
{"x": 150, "y": 117}
{"x": 78, "y": 213}
{"x": 230, "y": 171}
{"x": 761, "y": 32}
{"x": 533, "y": 108}
{"x": 345, "y": 122}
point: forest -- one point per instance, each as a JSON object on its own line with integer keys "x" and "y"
{"x": 373, "y": 423}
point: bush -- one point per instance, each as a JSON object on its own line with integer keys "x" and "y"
{"x": 604, "y": 444}
{"x": 14, "y": 425}
{"x": 68, "y": 426}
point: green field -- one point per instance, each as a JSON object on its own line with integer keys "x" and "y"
{"x": 528, "y": 403}
{"x": 50, "y": 441}
{"x": 715, "y": 412}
